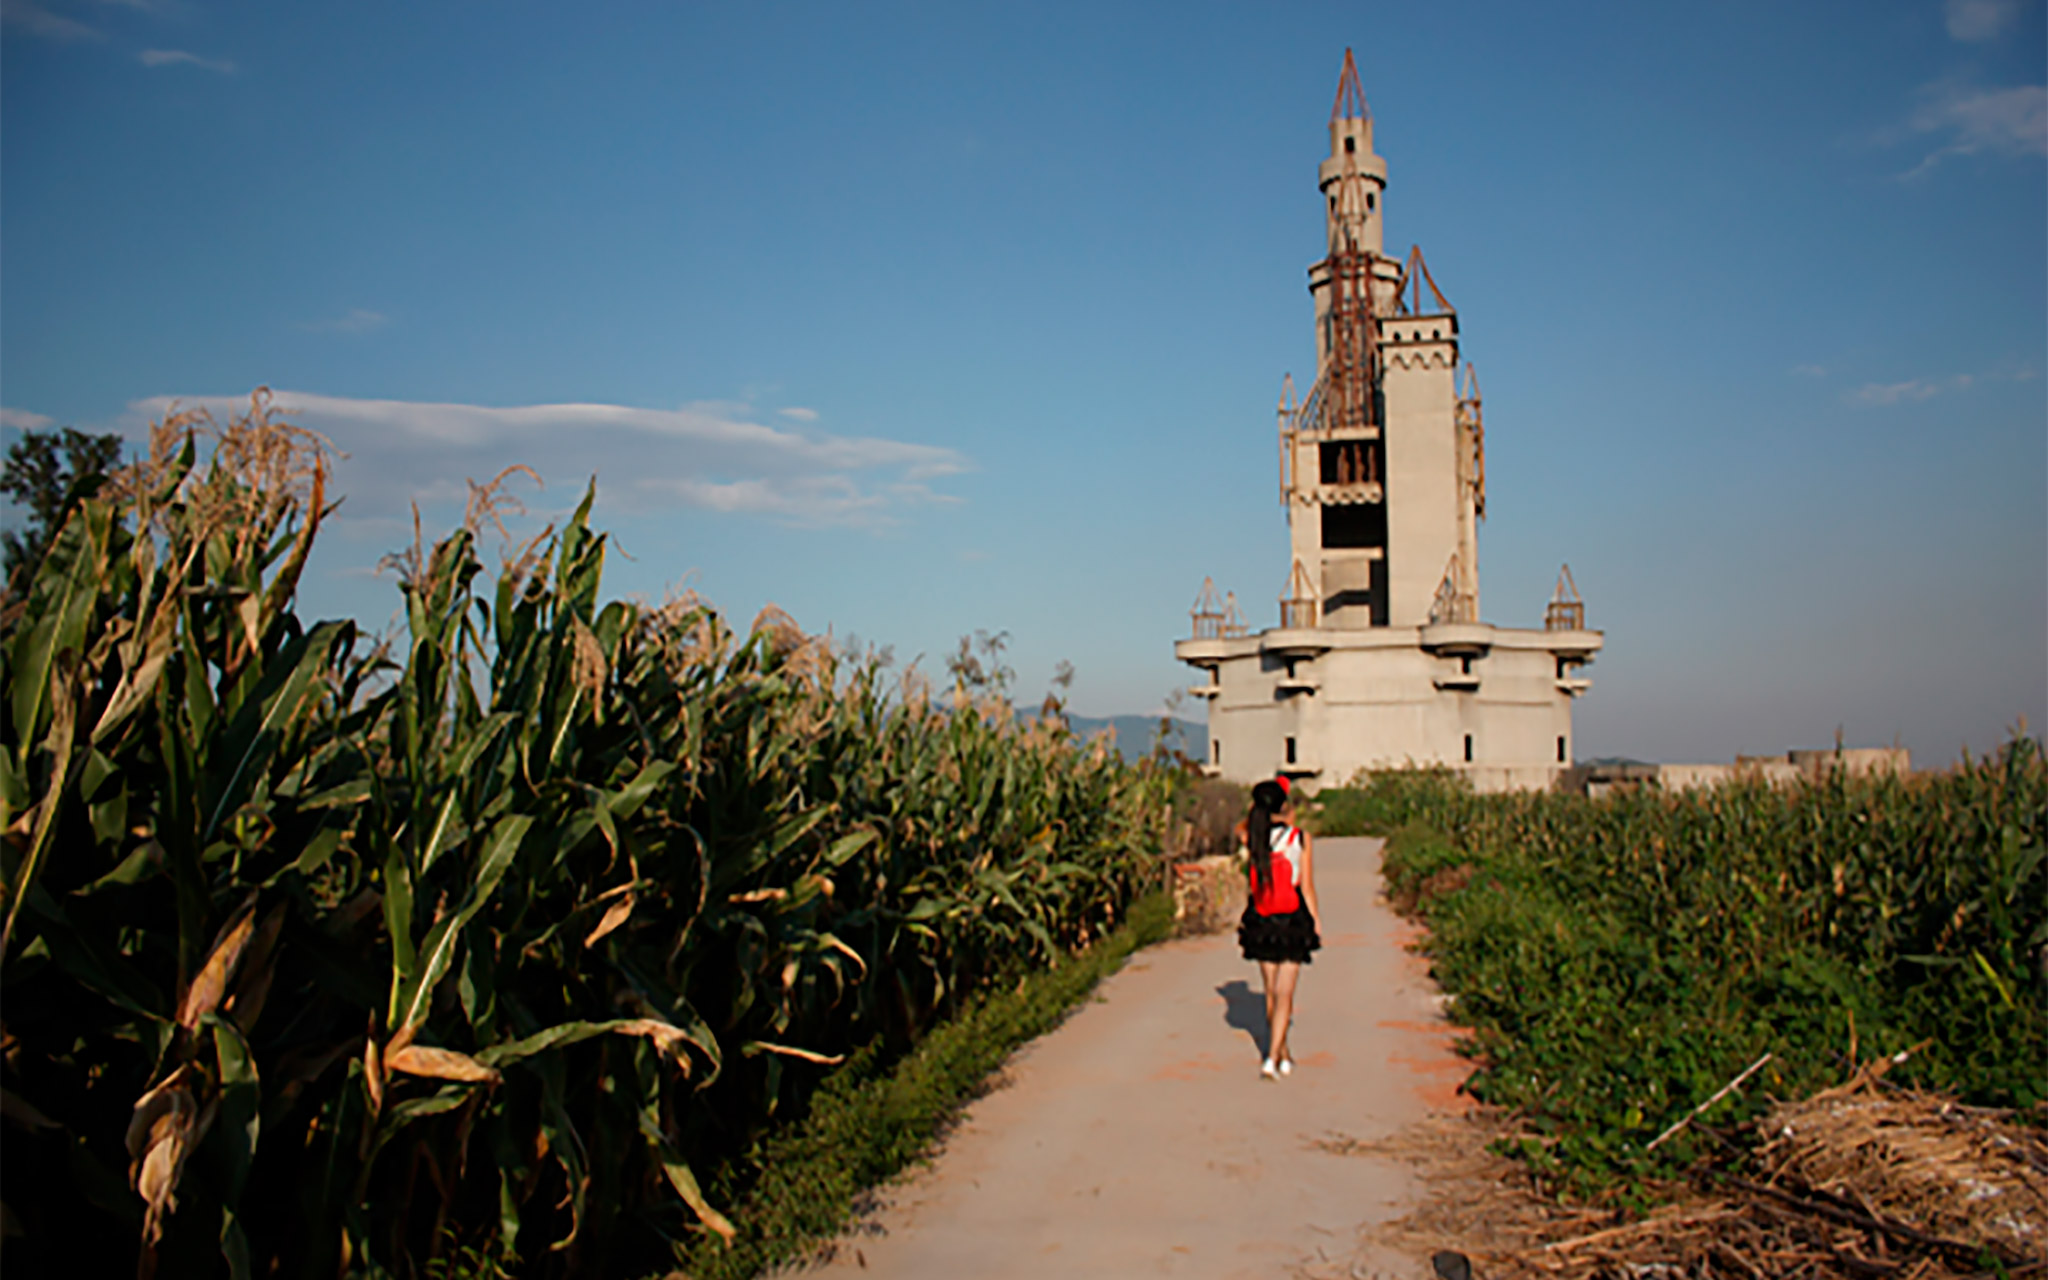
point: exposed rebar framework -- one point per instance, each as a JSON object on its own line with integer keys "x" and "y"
{"x": 1214, "y": 617}
{"x": 1567, "y": 612}
{"x": 1299, "y": 607}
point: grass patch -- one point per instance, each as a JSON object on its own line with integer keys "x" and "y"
{"x": 873, "y": 1117}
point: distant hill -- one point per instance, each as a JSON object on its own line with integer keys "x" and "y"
{"x": 1135, "y": 734}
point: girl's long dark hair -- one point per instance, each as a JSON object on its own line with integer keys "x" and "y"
{"x": 1267, "y": 801}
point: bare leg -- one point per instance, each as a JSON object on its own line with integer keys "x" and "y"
{"x": 1269, "y": 976}
{"x": 1280, "y": 1006}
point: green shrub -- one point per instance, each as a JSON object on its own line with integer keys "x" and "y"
{"x": 1620, "y": 959}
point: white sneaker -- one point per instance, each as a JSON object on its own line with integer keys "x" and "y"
{"x": 1286, "y": 1066}
{"x": 1267, "y": 1070}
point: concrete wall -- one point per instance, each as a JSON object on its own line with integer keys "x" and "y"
{"x": 1777, "y": 770}
{"x": 1380, "y": 700}
{"x": 1421, "y": 475}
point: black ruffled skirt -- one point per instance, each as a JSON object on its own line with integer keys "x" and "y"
{"x": 1289, "y": 938}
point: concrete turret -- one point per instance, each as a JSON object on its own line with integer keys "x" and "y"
{"x": 1380, "y": 657}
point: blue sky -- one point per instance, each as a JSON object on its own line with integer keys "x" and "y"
{"x": 923, "y": 319}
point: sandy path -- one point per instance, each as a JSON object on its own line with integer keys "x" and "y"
{"x": 1138, "y": 1139}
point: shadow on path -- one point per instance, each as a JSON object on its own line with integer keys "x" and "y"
{"x": 1245, "y": 1009}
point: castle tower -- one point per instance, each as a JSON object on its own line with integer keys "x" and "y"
{"x": 1380, "y": 657}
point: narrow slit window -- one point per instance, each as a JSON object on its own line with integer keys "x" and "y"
{"x": 1468, "y": 748}
{"x": 1290, "y": 751}
{"x": 1562, "y": 757}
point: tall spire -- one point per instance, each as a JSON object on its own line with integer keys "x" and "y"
{"x": 1350, "y": 104}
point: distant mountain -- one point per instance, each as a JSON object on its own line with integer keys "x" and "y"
{"x": 1136, "y": 734}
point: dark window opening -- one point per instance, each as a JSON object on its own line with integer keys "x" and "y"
{"x": 1436, "y": 333}
{"x": 1368, "y": 202}
{"x": 1468, "y": 748}
{"x": 1379, "y": 592}
{"x": 1354, "y": 525}
{"x": 1350, "y": 599}
{"x": 1350, "y": 145}
{"x": 1290, "y": 751}
{"x": 1215, "y": 751}
{"x": 1350, "y": 462}
{"x": 1562, "y": 757}
{"x": 1465, "y": 664}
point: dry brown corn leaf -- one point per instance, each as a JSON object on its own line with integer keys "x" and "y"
{"x": 613, "y": 918}
{"x": 168, "y": 1123}
{"x": 373, "y": 1075}
{"x": 439, "y": 1064}
{"x": 252, "y": 986}
{"x": 791, "y": 1051}
{"x": 204, "y": 995}
{"x": 669, "y": 1039}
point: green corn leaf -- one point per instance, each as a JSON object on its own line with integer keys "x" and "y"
{"x": 685, "y": 1183}
{"x": 62, "y": 601}
{"x": 411, "y": 996}
{"x": 398, "y": 911}
{"x": 730, "y": 871}
{"x": 846, "y": 846}
{"x": 241, "y": 1102}
{"x": 284, "y": 694}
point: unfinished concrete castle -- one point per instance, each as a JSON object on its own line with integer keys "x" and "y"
{"x": 1380, "y": 659}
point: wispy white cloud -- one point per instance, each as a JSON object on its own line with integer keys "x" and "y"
{"x": 33, "y": 19}
{"x": 1965, "y": 120}
{"x": 711, "y": 457}
{"x": 357, "y": 320}
{"x": 800, "y": 413}
{"x": 1975, "y": 20}
{"x": 1915, "y": 389}
{"x": 23, "y": 420}
{"x": 1809, "y": 371}
{"x": 181, "y": 58}
{"x": 1884, "y": 393}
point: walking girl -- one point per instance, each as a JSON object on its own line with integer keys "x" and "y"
{"x": 1282, "y": 923}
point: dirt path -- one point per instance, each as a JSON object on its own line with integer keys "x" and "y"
{"x": 1138, "y": 1139}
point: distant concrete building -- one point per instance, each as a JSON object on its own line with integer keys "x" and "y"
{"x": 1602, "y": 777}
{"x": 1380, "y": 659}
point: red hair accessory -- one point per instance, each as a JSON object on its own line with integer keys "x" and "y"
{"x": 1286, "y": 787}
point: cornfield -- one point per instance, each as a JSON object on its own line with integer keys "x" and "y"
{"x": 1621, "y": 959}
{"x": 329, "y": 957}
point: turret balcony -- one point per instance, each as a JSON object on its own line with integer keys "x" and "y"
{"x": 1297, "y": 682}
{"x": 1577, "y": 643}
{"x": 1458, "y": 639}
{"x": 1294, "y": 642}
{"x": 1209, "y": 690}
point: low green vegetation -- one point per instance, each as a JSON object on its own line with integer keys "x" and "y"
{"x": 1621, "y": 959}
{"x": 488, "y": 950}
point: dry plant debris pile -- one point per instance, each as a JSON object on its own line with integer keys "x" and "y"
{"x": 480, "y": 949}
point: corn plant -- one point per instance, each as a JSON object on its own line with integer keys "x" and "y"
{"x": 325, "y": 957}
